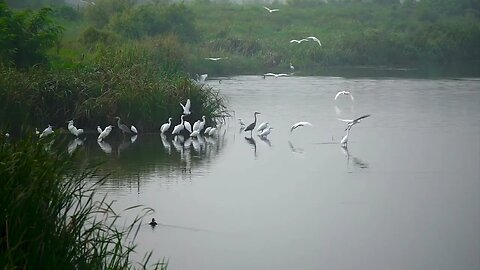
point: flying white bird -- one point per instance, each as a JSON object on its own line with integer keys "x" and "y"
{"x": 350, "y": 123}
{"x": 298, "y": 41}
{"x": 104, "y": 133}
{"x": 133, "y": 129}
{"x": 271, "y": 10}
{"x": 46, "y": 132}
{"x": 166, "y": 126}
{"x": 300, "y": 124}
{"x": 186, "y": 108}
{"x": 346, "y": 93}
{"x": 262, "y": 126}
{"x": 316, "y": 40}
{"x": 275, "y": 75}
{"x": 215, "y": 58}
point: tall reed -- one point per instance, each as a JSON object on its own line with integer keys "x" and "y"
{"x": 49, "y": 218}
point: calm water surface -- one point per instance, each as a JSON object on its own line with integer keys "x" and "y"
{"x": 404, "y": 195}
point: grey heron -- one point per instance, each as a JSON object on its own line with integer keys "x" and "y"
{"x": 122, "y": 127}
{"x": 252, "y": 125}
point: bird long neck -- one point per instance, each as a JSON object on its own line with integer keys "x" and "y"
{"x": 118, "y": 122}
{"x": 255, "y": 116}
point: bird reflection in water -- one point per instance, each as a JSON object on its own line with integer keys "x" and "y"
{"x": 133, "y": 138}
{"x": 72, "y": 146}
{"x": 356, "y": 161}
{"x": 121, "y": 147}
{"x": 296, "y": 150}
{"x": 266, "y": 140}
{"x": 166, "y": 143}
{"x": 252, "y": 142}
{"x": 105, "y": 146}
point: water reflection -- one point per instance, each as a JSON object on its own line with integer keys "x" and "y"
{"x": 356, "y": 161}
{"x": 294, "y": 149}
{"x": 72, "y": 146}
{"x": 105, "y": 146}
{"x": 266, "y": 140}
{"x": 251, "y": 141}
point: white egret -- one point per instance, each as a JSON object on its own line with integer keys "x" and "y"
{"x": 271, "y": 10}
{"x": 166, "y": 126}
{"x": 186, "y": 108}
{"x": 344, "y": 140}
{"x": 201, "y": 78}
{"x": 195, "y": 133}
{"x": 187, "y": 126}
{"x": 315, "y": 39}
{"x": 196, "y": 125}
{"x": 37, "y": 132}
{"x": 298, "y": 41}
{"x": 212, "y": 131}
{"x": 241, "y": 122}
{"x": 202, "y": 123}
{"x": 133, "y": 129}
{"x": 122, "y": 127}
{"x": 178, "y": 128}
{"x": 207, "y": 130}
{"x": 215, "y": 58}
{"x": 99, "y": 129}
{"x": 47, "y": 131}
{"x": 265, "y": 132}
{"x": 292, "y": 68}
{"x": 73, "y": 129}
{"x": 350, "y": 123}
{"x": 275, "y": 75}
{"x": 252, "y": 125}
{"x": 104, "y": 133}
{"x": 262, "y": 126}
{"x": 346, "y": 93}
{"x": 300, "y": 124}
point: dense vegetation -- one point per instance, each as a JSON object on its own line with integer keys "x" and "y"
{"x": 49, "y": 219}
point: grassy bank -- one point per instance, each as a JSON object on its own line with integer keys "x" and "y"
{"x": 49, "y": 218}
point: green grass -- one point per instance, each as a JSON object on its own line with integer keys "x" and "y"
{"x": 49, "y": 217}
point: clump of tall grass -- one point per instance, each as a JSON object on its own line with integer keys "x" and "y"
{"x": 140, "y": 82}
{"x": 49, "y": 218}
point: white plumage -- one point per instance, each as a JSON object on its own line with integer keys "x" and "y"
{"x": 300, "y": 124}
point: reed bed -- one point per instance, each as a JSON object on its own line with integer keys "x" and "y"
{"x": 50, "y": 219}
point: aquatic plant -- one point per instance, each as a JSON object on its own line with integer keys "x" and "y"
{"x": 49, "y": 216}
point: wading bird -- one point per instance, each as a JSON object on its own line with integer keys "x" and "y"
{"x": 292, "y": 68}
{"x": 346, "y": 93}
{"x": 201, "y": 78}
{"x": 133, "y": 129}
{"x": 123, "y": 128}
{"x": 186, "y": 108}
{"x": 187, "y": 126}
{"x": 195, "y": 133}
{"x": 47, "y": 131}
{"x": 252, "y": 125}
{"x": 178, "y": 128}
{"x": 265, "y": 132}
{"x": 166, "y": 126}
{"x": 262, "y": 126}
{"x": 99, "y": 129}
{"x": 104, "y": 133}
{"x": 207, "y": 130}
{"x": 300, "y": 124}
{"x": 73, "y": 129}
{"x": 271, "y": 10}
{"x": 344, "y": 140}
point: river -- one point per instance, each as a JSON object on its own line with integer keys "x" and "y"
{"x": 404, "y": 194}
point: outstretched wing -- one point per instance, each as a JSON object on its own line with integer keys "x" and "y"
{"x": 338, "y": 94}
{"x": 361, "y": 117}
